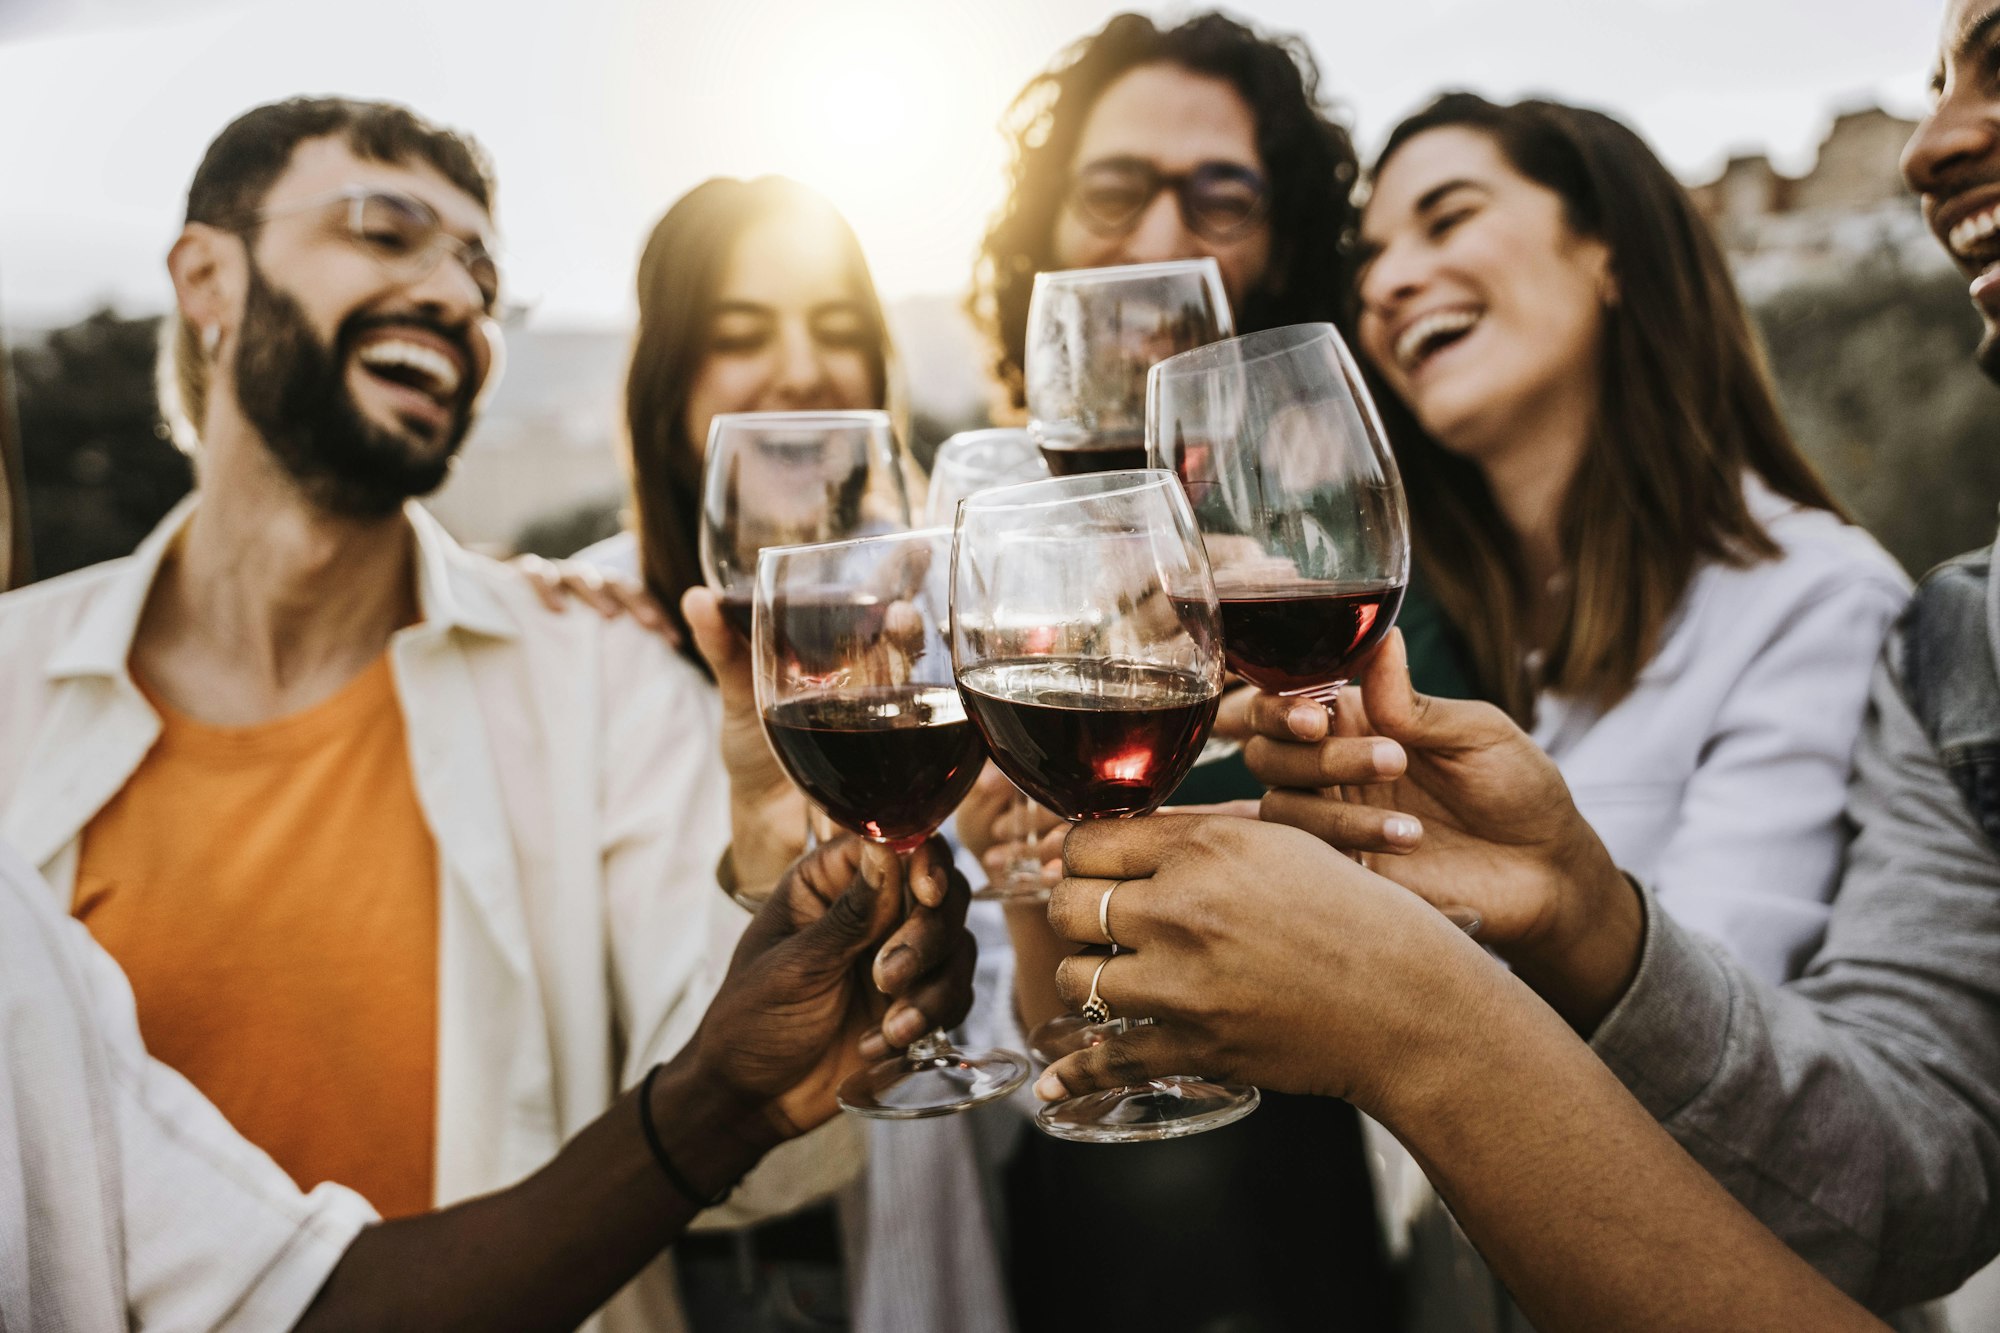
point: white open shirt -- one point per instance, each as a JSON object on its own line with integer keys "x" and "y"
{"x": 126, "y": 1200}
{"x": 568, "y": 768}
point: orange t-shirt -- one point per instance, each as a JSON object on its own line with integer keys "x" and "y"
{"x": 272, "y": 892}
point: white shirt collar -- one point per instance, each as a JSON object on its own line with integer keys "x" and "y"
{"x": 447, "y": 595}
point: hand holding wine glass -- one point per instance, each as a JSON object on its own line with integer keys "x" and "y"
{"x": 785, "y": 478}
{"x": 854, "y": 687}
{"x": 1087, "y": 646}
{"x": 1494, "y": 831}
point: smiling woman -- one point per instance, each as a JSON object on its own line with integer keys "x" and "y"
{"x": 1606, "y": 499}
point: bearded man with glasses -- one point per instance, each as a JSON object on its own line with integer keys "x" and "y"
{"x": 410, "y": 876}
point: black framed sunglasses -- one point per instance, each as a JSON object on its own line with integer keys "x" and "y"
{"x": 1219, "y": 201}
{"x": 404, "y": 236}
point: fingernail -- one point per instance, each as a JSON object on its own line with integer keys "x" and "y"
{"x": 904, "y": 1026}
{"x": 1302, "y": 718}
{"x": 1402, "y": 828}
{"x": 874, "y": 1046}
{"x": 1050, "y": 1088}
{"x": 892, "y": 969}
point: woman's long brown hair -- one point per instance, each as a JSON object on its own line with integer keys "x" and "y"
{"x": 679, "y": 273}
{"x": 1685, "y": 408}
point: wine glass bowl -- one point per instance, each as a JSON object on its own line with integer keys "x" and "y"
{"x": 978, "y": 460}
{"x": 967, "y": 463}
{"x": 1092, "y": 335}
{"x": 788, "y": 479}
{"x": 855, "y": 689}
{"x": 1086, "y": 639}
{"x": 1292, "y": 482}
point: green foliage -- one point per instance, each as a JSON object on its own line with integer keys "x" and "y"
{"x": 99, "y": 468}
{"x": 1879, "y": 384}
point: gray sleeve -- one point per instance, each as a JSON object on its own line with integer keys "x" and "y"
{"x": 1856, "y": 1111}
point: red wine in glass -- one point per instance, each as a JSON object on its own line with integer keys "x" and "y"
{"x": 1305, "y": 637}
{"x": 735, "y": 607}
{"x": 889, "y": 762}
{"x": 1091, "y": 738}
{"x": 1070, "y": 455}
{"x": 817, "y": 627}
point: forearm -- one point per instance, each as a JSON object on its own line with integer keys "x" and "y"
{"x": 1037, "y": 950}
{"x": 550, "y": 1250}
{"x": 1850, "y": 1112}
{"x": 1585, "y": 1207}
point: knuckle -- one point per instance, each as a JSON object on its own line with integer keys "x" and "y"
{"x": 1122, "y": 1062}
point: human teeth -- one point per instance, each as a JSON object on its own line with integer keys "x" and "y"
{"x": 427, "y": 361}
{"x": 1971, "y": 231}
{"x": 1439, "y": 323}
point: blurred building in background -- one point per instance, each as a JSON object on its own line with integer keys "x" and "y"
{"x": 1850, "y": 210}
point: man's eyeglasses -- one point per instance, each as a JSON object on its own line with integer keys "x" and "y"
{"x": 1219, "y": 201}
{"x": 404, "y": 235}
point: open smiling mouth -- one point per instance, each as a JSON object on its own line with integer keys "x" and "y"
{"x": 1975, "y": 241}
{"x": 1430, "y": 334}
{"x": 414, "y": 366}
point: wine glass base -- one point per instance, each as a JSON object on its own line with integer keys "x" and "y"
{"x": 910, "y": 1087}
{"x": 1168, "y": 1108}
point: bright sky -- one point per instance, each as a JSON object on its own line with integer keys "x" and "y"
{"x": 600, "y": 112}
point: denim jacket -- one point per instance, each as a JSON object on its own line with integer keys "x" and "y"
{"x": 1948, "y": 673}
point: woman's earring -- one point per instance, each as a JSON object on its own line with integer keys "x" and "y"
{"x": 211, "y": 338}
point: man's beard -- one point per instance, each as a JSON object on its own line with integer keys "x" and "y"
{"x": 293, "y": 389}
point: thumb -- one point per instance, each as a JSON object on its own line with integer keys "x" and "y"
{"x": 1395, "y": 709}
{"x": 860, "y": 917}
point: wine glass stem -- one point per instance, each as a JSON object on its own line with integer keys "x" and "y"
{"x": 1025, "y": 865}
{"x": 933, "y": 1045}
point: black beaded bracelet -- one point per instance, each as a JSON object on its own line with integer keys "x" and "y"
{"x": 667, "y": 1167}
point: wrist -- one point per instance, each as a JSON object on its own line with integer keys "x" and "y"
{"x": 765, "y": 838}
{"x": 1589, "y": 956}
{"x": 712, "y": 1133}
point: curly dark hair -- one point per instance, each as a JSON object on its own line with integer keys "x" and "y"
{"x": 1308, "y": 157}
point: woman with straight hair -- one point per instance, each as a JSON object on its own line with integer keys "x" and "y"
{"x": 755, "y": 296}
{"x": 1647, "y": 572}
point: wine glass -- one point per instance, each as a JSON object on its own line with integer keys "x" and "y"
{"x": 978, "y": 460}
{"x": 788, "y": 478}
{"x": 1088, "y": 647}
{"x": 1092, "y": 335}
{"x": 854, "y": 686}
{"x": 1297, "y": 496}
{"x": 969, "y": 462}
